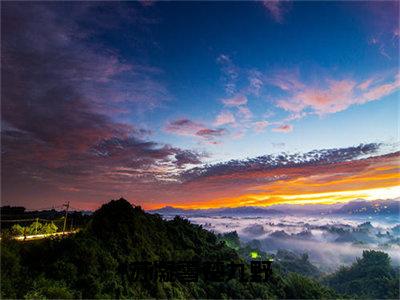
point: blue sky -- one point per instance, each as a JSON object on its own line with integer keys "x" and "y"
{"x": 313, "y": 41}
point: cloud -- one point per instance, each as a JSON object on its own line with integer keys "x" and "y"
{"x": 225, "y": 117}
{"x": 335, "y": 95}
{"x": 47, "y": 56}
{"x": 260, "y": 126}
{"x": 319, "y": 176}
{"x": 306, "y": 233}
{"x": 283, "y": 128}
{"x": 60, "y": 94}
{"x": 245, "y": 113}
{"x": 147, "y": 3}
{"x": 185, "y": 157}
{"x": 271, "y": 162}
{"x": 256, "y": 82}
{"x": 210, "y": 133}
{"x": 188, "y": 127}
{"x": 235, "y": 101}
{"x": 379, "y": 90}
{"x": 383, "y": 27}
{"x": 240, "y": 119}
{"x": 183, "y": 127}
{"x": 286, "y": 80}
{"x": 365, "y": 84}
{"x": 239, "y": 122}
{"x": 300, "y": 98}
{"x": 277, "y": 9}
{"x": 396, "y": 32}
{"x": 230, "y": 73}
{"x": 382, "y": 48}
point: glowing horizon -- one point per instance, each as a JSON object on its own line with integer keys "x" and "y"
{"x": 369, "y": 185}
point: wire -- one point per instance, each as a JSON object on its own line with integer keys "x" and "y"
{"x": 30, "y": 220}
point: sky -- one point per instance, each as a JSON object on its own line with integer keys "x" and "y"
{"x": 199, "y": 104}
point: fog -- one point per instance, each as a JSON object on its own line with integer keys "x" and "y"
{"x": 329, "y": 241}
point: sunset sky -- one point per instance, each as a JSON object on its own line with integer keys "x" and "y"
{"x": 199, "y": 104}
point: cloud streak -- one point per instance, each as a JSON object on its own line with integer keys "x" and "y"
{"x": 277, "y": 9}
{"x": 235, "y": 101}
{"x": 283, "y": 128}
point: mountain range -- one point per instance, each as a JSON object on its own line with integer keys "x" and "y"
{"x": 244, "y": 210}
{"x": 355, "y": 207}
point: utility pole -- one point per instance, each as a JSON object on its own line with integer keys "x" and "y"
{"x": 36, "y": 225}
{"x": 66, "y": 214}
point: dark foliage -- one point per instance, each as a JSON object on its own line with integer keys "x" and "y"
{"x": 291, "y": 262}
{"x": 369, "y": 277}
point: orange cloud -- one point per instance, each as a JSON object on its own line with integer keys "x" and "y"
{"x": 370, "y": 178}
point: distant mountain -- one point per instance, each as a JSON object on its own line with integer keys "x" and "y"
{"x": 377, "y": 207}
{"x": 308, "y": 209}
{"x": 356, "y": 207}
{"x": 248, "y": 210}
{"x": 169, "y": 210}
{"x": 281, "y": 234}
{"x": 240, "y": 211}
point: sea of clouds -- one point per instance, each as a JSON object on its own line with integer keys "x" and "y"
{"x": 330, "y": 241}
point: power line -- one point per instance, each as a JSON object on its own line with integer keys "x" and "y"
{"x": 44, "y": 208}
{"x": 20, "y": 220}
{"x": 29, "y": 220}
{"x": 61, "y": 206}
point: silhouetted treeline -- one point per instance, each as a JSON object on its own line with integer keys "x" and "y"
{"x": 12, "y": 210}
{"x": 11, "y": 215}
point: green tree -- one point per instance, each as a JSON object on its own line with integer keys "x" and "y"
{"x": 370, "y": 276}
{"x": 48, "y": 228}
{"x": 17, "y": 230}
{"x": 34, "y": 228}
{"x": 300, "y": 287}
{"x": 11, "y": 271}
{"x": 49, "y": 289}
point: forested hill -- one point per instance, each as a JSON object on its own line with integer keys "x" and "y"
{"x": 97, "y": 262}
